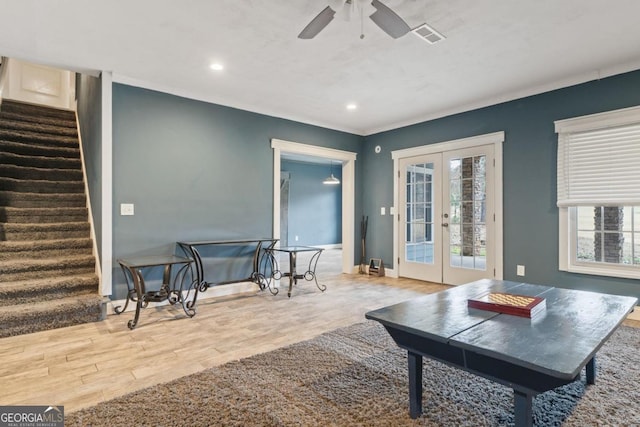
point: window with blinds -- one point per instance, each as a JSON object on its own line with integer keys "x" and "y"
{"x": 599, "y": 193}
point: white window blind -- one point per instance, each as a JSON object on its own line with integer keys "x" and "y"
{"x": 599, "y": 167}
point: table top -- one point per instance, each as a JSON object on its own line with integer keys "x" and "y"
{"x": 297, "y": 249}
{"x": 558, "y": 341}
{"x": 227, "y": 242}
{"x": 153, "y": 261}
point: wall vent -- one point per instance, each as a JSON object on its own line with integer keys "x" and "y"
{"x": 428, "y": 34}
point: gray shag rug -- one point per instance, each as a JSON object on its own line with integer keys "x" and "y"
{"x": 357, "y": 376}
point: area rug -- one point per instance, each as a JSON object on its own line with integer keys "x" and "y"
{"x": 357, "y": 376}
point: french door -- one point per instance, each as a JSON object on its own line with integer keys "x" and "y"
{"x": 447, "y": 216}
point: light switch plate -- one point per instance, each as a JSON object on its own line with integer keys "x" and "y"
{"x": 382, "y": 211}
{"x": 126, "y": 208}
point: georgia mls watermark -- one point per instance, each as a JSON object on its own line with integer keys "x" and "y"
{"x": 31, "y": 416}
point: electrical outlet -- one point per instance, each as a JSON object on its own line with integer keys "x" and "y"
{"x": 126, "y": 208}
{"x": 520, "y": 270}
{"x": 296, "y": 238}
{"x": 383, "y": 211}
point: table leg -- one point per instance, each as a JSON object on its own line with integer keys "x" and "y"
{"x": 415, "y": 385}
{"x": 138, "y": 283}
{"x": 523, "y": 408}
{"x": 591, "y": 370}
{"x": 292, "y": 270}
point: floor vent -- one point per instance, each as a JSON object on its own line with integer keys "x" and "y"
{"x": 428, "y": 34}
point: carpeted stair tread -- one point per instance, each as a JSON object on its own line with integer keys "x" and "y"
{"x": 38, "y": 200}
{"x": 42, "y": 128}
{"x": 25, "y": 172}
{"x": 14, "y": 250}
{"x": 38, "y": 111}
{"x": 51, "y": 314}
{"x": 39, "y": 150}
{"x": 39, "y": 161}
{"x": 36, "y": 138}
{"x": 41, "y": 215}
{"x": 47, "y": 288}
{"x": 53, "y": 230}
{"x": 47, "y": 267}
{"x": 25, "y": 118}
{"x": 15, "y": 270}
{"x": 40, "y": 186}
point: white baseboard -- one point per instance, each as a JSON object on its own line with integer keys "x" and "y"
{"x": 212, "y": 292}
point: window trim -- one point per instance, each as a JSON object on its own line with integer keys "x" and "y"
{"x": 567, "y": 215}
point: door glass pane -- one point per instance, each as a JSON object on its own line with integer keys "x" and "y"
{"x": 419, "y": 209}
{"x": 467, "y": 183}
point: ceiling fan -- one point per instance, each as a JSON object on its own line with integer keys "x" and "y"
{"x": 383, "y": 17}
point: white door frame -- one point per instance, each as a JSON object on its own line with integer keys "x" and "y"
{"x": 348, "y": 160}
{"x": 496, "y": 138}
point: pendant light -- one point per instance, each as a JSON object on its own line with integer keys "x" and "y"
{"x": 331, "y": 180}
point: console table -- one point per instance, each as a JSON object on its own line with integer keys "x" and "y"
{"x": 292, "y": 274}
{"x": 193, "y": 250}
{"x": 170, "y": 290}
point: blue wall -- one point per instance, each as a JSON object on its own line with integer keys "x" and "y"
{"x": 530, "y": 212}
{"x": 315, "y": 209}
{"x": 89, "y": 98}
{"x": 195, "y": 171}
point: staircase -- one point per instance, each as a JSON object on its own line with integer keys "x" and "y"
{"x": 47, "y": 268}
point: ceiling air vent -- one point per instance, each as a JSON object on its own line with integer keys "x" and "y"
{"x": 428, "y": 34}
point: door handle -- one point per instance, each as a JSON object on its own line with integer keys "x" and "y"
{"x": 445, "y": 224}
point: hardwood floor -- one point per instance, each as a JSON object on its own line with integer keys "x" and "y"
{"x": 83, "y": 365}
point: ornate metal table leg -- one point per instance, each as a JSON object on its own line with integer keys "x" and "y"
{"x": 311, "y": 272}
{"x": 292, "y": 271}
{"x": 138, "y": 283}
{"x": 270, "y": 271}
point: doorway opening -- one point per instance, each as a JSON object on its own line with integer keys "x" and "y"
{"x": 346, "y": 160}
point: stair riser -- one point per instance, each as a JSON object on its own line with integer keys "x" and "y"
{"x": 18, "y": 172}
{"x": 28, "y": 323}
{"x": 16, "y": 148}
{"x": 12, "y": 276}
{"x": 36, "y": 112}
{"x": 38, "y": 139}
{"x": 31, "y": 296}
{"x": 44, "y": 254}
{"x": 34, "y": 295}
{"x": 15, "y": 236}
{"x": 42, "y": 219}
{"x": 68, "y": 124}
{"x": 45, "y": 187}
{"x": 45, "y": 129}
{"x": 31, "y": 200}
{"x": 40, "y": 162}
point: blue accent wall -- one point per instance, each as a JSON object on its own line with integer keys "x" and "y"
{"x": 315, "y": 209}
{"x": 195, "y": 171}
{"x": 529, "y": 150}
{"x": 89, "y": 99}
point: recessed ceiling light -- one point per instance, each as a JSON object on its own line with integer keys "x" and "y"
{"x": 352, "y": 106}
{"x": 216, "y": 66}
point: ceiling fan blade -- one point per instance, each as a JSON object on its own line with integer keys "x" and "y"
{"x": 388, "y": 20}
{"x": 317, "y": 24}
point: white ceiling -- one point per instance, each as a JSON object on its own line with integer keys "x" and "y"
{"x": 495, "y": 50}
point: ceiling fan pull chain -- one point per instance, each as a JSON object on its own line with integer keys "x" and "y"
{"x": 361, "y": 22}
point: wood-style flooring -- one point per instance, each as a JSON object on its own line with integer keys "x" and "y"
{"x": 83, "y": 365}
